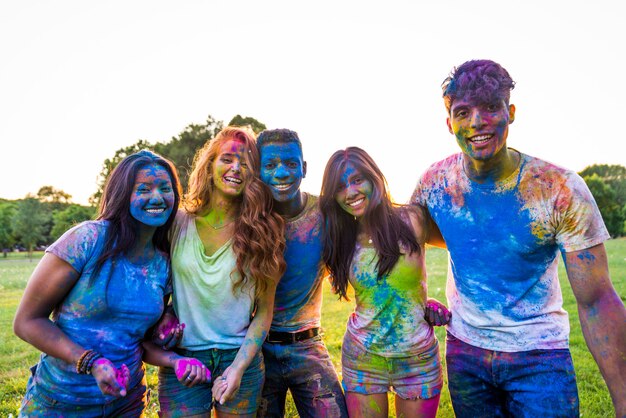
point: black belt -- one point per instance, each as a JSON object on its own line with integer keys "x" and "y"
{"x": 275, "y": 337}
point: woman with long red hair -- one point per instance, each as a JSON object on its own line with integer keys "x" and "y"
{"x": 227, "y": 257}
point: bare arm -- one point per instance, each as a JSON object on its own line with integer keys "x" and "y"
{"x": 49, "y": 284}
{"x": 227, "y": 385}
{"x": 51, "y": 281}
{"x": 189, "y": 371}
{"x": 168, "y": 332}
{"x": 435, "y": 312}
{"x": 602, "y": 318}
{"x": 428, "y": 229}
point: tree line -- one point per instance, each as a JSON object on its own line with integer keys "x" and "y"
{"x": 38, "y": 220}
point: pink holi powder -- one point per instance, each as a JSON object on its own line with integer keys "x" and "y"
{"x": 181, "y": 367}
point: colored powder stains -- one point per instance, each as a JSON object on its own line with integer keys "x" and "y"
{"x": 374, "y": 406}
{"x": 305, "y": 229}
{"x": 389, "y": 310}
{"x": 489, "y": 280}
{"x": 587, "y": 257}
{"x": 299, "y": 294}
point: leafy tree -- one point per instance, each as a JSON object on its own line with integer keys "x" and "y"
{"x": 110, "y": 164}
{"x": 53, "y": 200}
{"x": 29, "y": 220}
{"x": 254, "y": 124}
{"x": 608, "y": 186}
{"x": 50, "y": 194}
{"x": 7, "y": 210}
{"x": 181, "y": 149}
{"x": 72, "y": 215}
{"x": 604, "y": 195}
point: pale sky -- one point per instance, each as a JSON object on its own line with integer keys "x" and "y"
{"x": 81, "y": 79}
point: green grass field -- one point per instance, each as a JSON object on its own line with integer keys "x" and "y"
{"x": 16, "y": 356}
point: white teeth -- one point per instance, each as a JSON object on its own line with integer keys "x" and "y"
{"x": 233, "y": 180}
{"x": 356, "y": 202}
{"x": 281, "y": 186}
{"x": 156, "y": 210}
{"x": 480, "y": 138}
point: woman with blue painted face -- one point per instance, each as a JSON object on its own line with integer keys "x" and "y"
{"x": 96, "y": 292}
{"x": 378, "y": 248}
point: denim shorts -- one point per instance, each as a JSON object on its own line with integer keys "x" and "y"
{"x": 416, "y": 376}
{"x": 177, "y": 400}
{"x": 486, "y": 383}
{"x": 38, "y": 404}
{"x": 306, "y": 370}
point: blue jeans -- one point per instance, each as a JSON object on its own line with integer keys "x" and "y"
{"x": 37, "y": 404}
{"x": 177, "y": 400}
{"x": 485, "y": 383}
{"x": 306, "y": 370}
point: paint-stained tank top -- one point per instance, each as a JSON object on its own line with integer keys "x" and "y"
{"x": 215, "y": 314}
{"x": 388, "y": 319}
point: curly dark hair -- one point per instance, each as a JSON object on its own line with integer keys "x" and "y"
{"x": 482, "y": 81}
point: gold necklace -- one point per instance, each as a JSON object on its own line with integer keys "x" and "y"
{"x": 219, "y": 226}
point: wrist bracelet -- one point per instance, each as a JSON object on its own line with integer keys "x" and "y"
{"x": 79, "y": 362}
{"x": 92, "y": 362}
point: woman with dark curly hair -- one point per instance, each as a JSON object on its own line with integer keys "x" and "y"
{"x": 227, "y": 257}
{"x": 378, "y": 248}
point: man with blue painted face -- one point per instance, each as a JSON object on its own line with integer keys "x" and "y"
{"x": 296, "y": 359}
{"x": 505, "y": 217}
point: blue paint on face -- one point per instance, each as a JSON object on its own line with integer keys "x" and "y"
{"x": 152, "y": 200}
{"x": 282, "y": 169}
{"x": 355, "y": 191}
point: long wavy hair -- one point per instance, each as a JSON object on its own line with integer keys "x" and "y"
{"x": 382, "y": 218}
{"x": 258, "y": 237}
{"x": 115, "y": 206}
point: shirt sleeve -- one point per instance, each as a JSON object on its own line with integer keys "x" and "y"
{"x": 419, "y": 196}
{"x": 579, "y": 224}
{"x": 77, "y": 245}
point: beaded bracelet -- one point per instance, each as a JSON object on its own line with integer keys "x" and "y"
{"x": 79, "y": 362}
{"x": 92, "y": 362}
{"x": 86, "y": 361}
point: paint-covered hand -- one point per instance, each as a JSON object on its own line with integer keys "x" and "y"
{"x": 111, "y": 380}
{"x": 227, "y": 385}
{"x": 168, "y": 332}
{"x": 436, "y": 313}
{"x": 191, "y": 371}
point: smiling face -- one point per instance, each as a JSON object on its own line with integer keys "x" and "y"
{"x": 152, "y": 200}
{"x": 355, "y": 191}
{"x": 230, "y": 169}
{"x": 480, "y": 129}
{"x": 282, "y": 169}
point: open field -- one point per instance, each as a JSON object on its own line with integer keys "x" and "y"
{"x": 16, "y": 356}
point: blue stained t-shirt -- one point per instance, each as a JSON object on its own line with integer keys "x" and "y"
{"x": 111, "y": 315}
{"x": 504, "y": 239}
{"x": 298, "y": 302}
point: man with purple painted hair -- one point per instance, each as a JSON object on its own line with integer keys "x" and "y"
{"x": 296, "y": 358}
{"x": 505, "y": 216}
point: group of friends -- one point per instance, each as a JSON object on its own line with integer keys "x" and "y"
{"x": 224, "y": 293}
